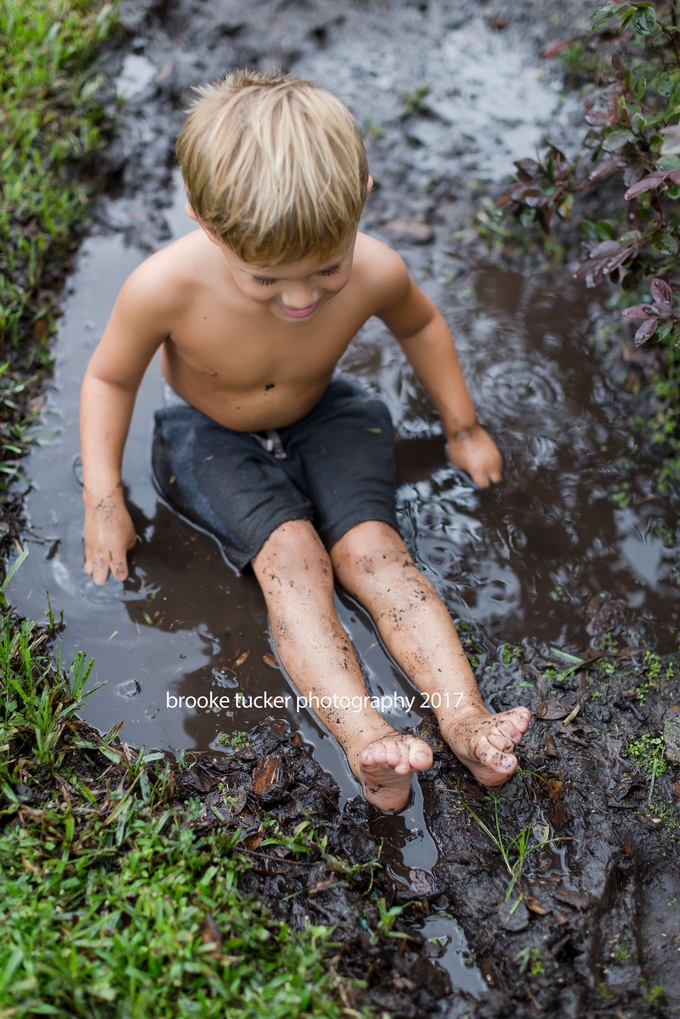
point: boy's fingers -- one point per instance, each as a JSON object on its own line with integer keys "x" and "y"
{"x": 119, "y": 569}
{"x": 100, "y": 571}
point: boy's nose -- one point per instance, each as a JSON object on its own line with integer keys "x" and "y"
{"x": 298, "y": 299}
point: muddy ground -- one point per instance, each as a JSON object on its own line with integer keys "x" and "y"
{"x": 592, "y": 926}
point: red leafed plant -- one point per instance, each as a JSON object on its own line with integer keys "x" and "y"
{"x": 660, "y": 315}
{"x": 634, "y": 135}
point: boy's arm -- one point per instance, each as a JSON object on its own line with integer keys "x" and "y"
{"x": 133, "y": 334}
{"x": 426, "y": 340}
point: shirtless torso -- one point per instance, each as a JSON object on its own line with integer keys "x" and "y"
{"x": 254, "y": 349}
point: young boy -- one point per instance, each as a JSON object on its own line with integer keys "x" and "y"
{"x": 288, "y": 465}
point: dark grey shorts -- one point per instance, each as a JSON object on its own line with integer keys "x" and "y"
{"x": 334, "y": 467}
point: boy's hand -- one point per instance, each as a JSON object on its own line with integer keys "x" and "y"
{"x": 109, "y": 533}
{"x": 474, "y": 451}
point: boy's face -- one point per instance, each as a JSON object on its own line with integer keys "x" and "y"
{"x": 294, "y": 292}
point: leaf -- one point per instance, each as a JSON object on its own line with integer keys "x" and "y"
{"x": 605, "y": 169}
{"x": 552, "y": 51}
{"x": 644, "y": 19}
{"x": 553, "y": 787}
{"x": 616, "y": 140}
{"x": 550, "y": 711}
{"x": 661, "y": 292}
{"x": 530, "y": 167}
{"x": 639, "y": 88}
{"x": 597, "y": 117}
{"x": 668, "y": 163}
{"x": 646, "y": 331}
{"x": 13, "y": 569}
{"x": 653, "y": 180}
{"x": 665, "y": 244}
{"x": 617, "y": 64}
{"x": 535, "y": 905}
{"x": 637, "y": 311}
{"x": 671, "y": 137}
{"x": 604, "y": 259}
{"x": 565, "y": 656}
{"x": 565, "y": 206}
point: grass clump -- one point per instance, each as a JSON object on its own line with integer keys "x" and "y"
{"x": 111, "y": 903}
{"x": 51, "y": 122}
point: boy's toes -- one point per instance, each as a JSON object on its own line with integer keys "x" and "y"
{"x": 419, "y": 755}
{"x": 497, "y": 738}
{"x": 386, "y": 768}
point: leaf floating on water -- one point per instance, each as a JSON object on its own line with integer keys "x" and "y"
{"x": 241, "y": 658}
{"x": 270, "y": 661}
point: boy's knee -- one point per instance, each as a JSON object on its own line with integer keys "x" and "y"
{"x": 292, "y": 550}
{"x": 368, "y": 548}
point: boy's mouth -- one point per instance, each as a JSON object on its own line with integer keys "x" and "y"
{"x": 300, "y": 312}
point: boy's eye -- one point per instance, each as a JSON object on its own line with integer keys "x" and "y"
{"x": 330, "y": 272}
{"x": 264, "y": 281}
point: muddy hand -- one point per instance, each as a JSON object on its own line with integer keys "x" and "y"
{"x": 474, "y": 451}
{"x": 109, "y": 534}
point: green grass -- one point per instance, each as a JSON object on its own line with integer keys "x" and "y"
{"x": 50, "y": 124}
{"x": 110, "y": 903}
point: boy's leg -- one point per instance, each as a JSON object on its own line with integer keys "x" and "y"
{"x": 296, "y": 576}
{"x": 372, "y": 564}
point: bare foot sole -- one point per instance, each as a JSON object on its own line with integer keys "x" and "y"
{"x": 485, "y": 743}
{"x": 386, "y": 767}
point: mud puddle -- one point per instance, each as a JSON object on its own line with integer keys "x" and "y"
{"x": 577, "y": 516}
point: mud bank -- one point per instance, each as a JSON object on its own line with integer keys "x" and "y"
{"x": 566, "y": 883}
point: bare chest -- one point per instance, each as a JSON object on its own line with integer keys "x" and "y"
{"x": 239, "y": 352}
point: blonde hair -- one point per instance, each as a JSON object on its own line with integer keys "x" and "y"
{"x": 276, "y": 163}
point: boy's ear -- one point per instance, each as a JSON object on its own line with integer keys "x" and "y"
{"x": 369, "y": 186}
{"x": 189, "y": 209}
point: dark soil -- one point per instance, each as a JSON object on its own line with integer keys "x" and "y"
{"x": 597, "y": 926}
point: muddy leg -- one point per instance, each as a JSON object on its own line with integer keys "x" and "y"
{"x": 296, "y": 576}
{"x": 372, "y": 564}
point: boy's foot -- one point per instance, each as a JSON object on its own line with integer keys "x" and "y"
{"x": 386, "y": 767}
{"x": 485, "y": 743}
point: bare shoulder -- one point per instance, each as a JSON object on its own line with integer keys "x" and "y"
{"x": 167, "y": 280}
{"x": 381, "y": 271}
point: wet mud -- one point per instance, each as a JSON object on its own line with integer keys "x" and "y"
{"x": 575, "y": 551}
